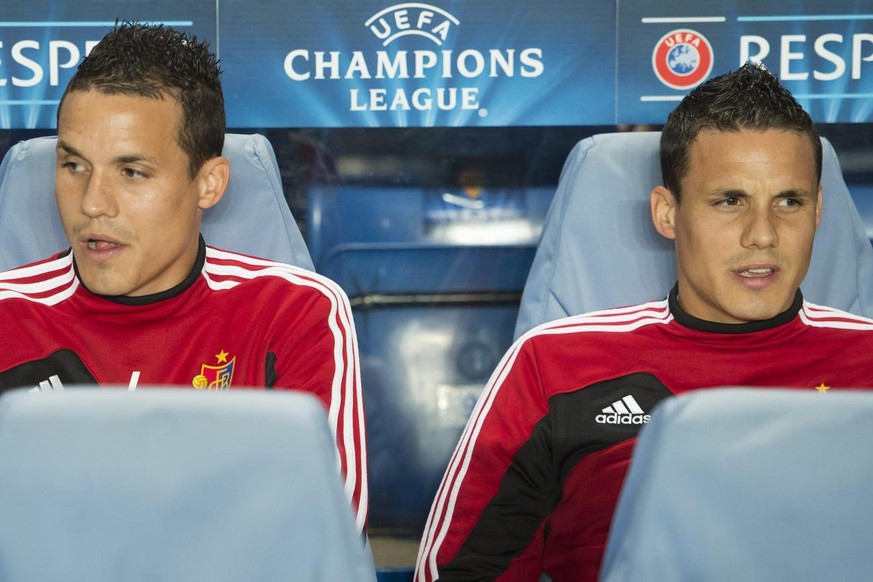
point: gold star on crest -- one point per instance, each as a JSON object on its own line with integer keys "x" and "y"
{"x": 221, "y": 357}
{"x": 822, "y": 387}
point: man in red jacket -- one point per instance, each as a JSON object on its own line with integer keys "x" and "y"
{"x": 140, "y": 298}
{"x": 535, "y": 478}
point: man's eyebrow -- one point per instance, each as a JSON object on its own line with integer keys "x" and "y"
{"x": 62, "y": 145}
{"x": 795, "y": 193}
{"x": 731, "y": 193}
{"x": 131, "y": 158}
{"x": 127, "y": 159}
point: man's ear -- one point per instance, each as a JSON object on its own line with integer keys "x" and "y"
{"x": 212, "y": 181}
{"x": 663, "y": 206}
{"x": 818, "y": 208}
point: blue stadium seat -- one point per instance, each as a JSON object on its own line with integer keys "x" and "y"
{"x": 433, "y": 311}
{"x": 599, "y": 248}
{"x": 252, "y": 218}
{"x": 172, "y": 485}
{"x": 748, "y": 484}
{"x": 862, "y": 194}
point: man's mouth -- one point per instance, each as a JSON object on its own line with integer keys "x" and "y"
{"x": 757, "y": 272}
{"x": 100, "y": 245}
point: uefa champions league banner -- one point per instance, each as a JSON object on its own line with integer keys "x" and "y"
{"x": 42, "y": 43}
{"x": 822, "y": 51}
{"x": 344, "y": 63}
{"x": 368, "y": 63}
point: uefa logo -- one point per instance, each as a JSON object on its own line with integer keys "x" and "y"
{"x": 411, "y": 18}
{"x": 682, "y": 59}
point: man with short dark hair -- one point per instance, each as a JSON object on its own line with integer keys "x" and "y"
{"x": 140, "y": 298}
{"x": 535, "y": 478}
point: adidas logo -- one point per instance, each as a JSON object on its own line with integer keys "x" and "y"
{"x": 53, "y": 384}
{"x": 624, "y": 411}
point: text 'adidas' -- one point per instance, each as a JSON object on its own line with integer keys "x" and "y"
{"x": 624, "y": 411}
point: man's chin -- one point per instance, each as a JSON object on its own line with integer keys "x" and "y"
{"x": 103, "y": 285}
{"x": 761, "y": 311}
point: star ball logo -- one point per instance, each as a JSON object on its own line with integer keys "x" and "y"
{"x": 682, "y": 59}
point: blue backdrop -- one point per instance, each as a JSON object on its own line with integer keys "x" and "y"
{"x": 368, "y": 63}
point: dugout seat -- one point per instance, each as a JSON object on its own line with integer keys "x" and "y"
{"x": 433, "y": 314}
{"x": 252, "y": 218}
{"x": 599, "y": 249}
{"x": 748, "y": 484}
{"x": 173, "y": 485}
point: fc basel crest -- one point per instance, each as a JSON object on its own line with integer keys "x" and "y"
{"x": 682, "y": 59}
{"x": 216, "y": 377}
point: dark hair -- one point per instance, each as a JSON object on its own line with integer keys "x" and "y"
{"x": 156, "y": 62}
{"x": 749, "y": 98}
